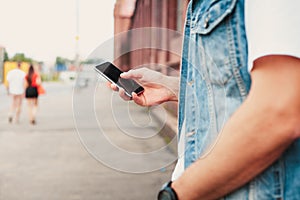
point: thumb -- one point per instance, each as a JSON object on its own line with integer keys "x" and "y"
{"x": 132, "y": 74}
{"x": 140, "y": 100}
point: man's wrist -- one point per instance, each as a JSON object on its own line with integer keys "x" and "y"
{"x": 172, "y": 84}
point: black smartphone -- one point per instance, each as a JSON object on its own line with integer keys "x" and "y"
{"x": 111, "y": 73}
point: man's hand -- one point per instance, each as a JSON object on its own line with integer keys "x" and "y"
{"x": 158, "y": 87}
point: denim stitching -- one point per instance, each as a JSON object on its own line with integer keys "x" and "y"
{"x": 233, "y": 59}
{"x": 211, "y": 108}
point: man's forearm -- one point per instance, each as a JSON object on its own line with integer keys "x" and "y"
{"x": 255, "y": 136}
{"x": 251, "y": 140}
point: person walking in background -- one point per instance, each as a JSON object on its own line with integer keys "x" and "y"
{"x": 33, "y": 80}
{"x": 15, "y": 87}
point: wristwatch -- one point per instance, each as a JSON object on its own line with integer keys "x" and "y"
{"x": 167, "y": 192}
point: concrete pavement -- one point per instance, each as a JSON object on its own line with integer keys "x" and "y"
{"x": 48, "y": 161}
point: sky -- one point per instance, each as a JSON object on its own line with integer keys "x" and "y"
{"x": 45, "y": 29}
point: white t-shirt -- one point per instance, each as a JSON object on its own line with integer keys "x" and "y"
{"x": 179, "y": 169}
{"x": 16, "y": 78}
{"x": 272, "y": 28}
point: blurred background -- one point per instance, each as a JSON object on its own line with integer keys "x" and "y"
{"x": 49, "y": 160}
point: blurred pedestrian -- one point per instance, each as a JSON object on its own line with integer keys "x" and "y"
{"x": 33, "y": 80}
{"x": 15, "y": 88}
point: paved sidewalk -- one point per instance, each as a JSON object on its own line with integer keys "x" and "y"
{"x": 48, "y": 161}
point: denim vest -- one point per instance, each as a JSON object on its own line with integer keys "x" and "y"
{"x": 214, "y": 83}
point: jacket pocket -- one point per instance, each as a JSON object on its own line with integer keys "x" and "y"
{"x": 215, "y": 38}
{"x": 209, "y": 14}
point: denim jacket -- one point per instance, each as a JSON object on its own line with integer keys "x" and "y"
{"x": 214, "y": 83}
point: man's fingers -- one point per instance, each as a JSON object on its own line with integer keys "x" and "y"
{"x": 140, "y": 100}
{"x": 133, "y": 74}
{"x": 130, "y": 75}
{"x": 123, "y": 95}
{"x": 108, "y": 84}
{"x": 112, "y": 86}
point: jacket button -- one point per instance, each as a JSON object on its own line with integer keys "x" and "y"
{"x": 189, "y": 134}
{"x": 205, "y": 25}
{"x": 190, "y": 83}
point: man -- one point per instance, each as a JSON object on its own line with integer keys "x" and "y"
{"x": 15, "y": 79}
{"x": 239, "y": 102}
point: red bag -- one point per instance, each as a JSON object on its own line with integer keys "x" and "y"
{"x": 41, "y": 90}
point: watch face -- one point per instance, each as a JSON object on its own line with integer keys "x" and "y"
{"x": 164, "y": 195}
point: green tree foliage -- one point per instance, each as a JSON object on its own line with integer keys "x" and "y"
{"x": 6, "y": 58}
{"x": 60, "y": 61}
{"x": 92, "y": 61}
{"x": 20, "y": 57}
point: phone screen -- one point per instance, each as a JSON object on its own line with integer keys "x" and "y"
{"x": 112, "y": 74}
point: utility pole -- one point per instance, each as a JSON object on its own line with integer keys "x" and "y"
{"x": 77, "y": 35}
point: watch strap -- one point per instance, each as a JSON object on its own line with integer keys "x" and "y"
{"x": 168, "y": 188}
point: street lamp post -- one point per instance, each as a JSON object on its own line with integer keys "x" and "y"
{"x": 77, "y": 35}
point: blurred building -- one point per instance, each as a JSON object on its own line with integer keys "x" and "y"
{"x": 60, "y": 67}
{"x": 132, "y": 14}
{"x": 2, "y": 49}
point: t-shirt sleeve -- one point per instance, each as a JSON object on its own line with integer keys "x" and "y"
{"x": 272, "y": 28}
